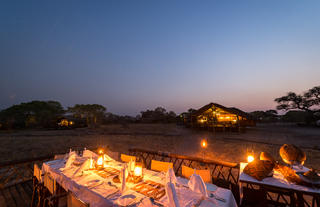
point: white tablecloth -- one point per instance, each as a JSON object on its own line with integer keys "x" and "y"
{"x": 277, "y": 180}
{"x": 98, "y": 195}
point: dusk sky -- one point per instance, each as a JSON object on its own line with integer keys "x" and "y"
{"x": 136, "y": 55}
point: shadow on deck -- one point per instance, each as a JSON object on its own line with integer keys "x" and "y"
{"x": 17, "y": 195}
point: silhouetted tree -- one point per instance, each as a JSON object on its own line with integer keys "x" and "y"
{"x": 308, "y": 102}
{"x": 93, "y": 113}
{"x": 32, "y": 114}
{"x": 305, "y": 102}
{"x": 158, "y": 115}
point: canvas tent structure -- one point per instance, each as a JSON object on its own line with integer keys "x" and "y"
{"x": 215, "y": 115}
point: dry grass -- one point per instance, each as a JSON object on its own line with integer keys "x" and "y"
{"x": 228, "y": 146}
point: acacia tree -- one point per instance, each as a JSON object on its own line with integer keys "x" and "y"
{"x": 308, "y": 101}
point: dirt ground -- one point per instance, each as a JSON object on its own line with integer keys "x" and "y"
{"x": 227, "y": 146}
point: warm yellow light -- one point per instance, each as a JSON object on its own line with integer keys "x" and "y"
{"x": 91, "y": 163}
{"x": 250, "y": 158}
{"x": 100, "y": 151}
{"x": 138, "y": 171}
{"x": 204, "y": 143}
{"x": 100, "y": 161}
{"x": 227, "y": 117}
{"x": 70, "y": 122}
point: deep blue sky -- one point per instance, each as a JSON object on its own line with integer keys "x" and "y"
{"x": 134, "y": 55}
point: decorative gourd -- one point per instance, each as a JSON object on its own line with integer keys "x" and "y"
{"x": 259, "y": 169}
{"x": 292, "y": 155}
{"x": 267, "y": 156}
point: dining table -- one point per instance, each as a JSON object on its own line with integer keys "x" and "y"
{"x": 278, "y": 181}
{"x": 98, "y": 187}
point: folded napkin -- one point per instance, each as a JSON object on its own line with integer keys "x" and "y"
{"x": 170, "y": 176}
{"x": 131, "y": 165}
{"x": 123, "y": 176}
{"x": 71, "y": 158}
{"x": 90, "y": 154}
{"x": 172, "y": 195}
{"x": 83, "y": 167}
{"x": 197, "y": 185}
{"x": 107, "y": 158}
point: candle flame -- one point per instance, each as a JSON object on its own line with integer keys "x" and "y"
{"x": 203, "y": 143}
{"x": 250, "y": 158}
{"x": 138, "y": 171}
{"x": 100, "y": 161}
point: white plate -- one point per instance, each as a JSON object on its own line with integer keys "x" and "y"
{"x": 126, "y": 200}
{"x": 211, "y": 187}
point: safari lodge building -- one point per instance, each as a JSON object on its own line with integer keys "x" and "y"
{"x": 213, "y": 116}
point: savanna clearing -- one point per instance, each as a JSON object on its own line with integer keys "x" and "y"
{"x": 227, "y": 146}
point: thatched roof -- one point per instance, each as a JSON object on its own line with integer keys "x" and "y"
{"x": 231, "y": 110}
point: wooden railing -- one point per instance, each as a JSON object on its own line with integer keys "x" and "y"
{"x": 15, "y": 172}
{"x": 12, "y": 173}
{"x": 224, "y": 174}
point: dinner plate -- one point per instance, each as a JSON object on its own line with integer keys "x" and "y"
{"x": 126, "y": 200}
{"x": 211, "y": 187}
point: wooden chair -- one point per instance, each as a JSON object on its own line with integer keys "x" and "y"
{"x": 59, "y": 156}
{"x": 73, "y": 201}
{"x": 54, "y": 195}
{"x": 127, "y": 158}
{"x": 37, "y": 185}
{"x": 160, "y": 166}
{"x": 204, "y": 174}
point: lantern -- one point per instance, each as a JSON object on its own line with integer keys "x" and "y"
{"x": 137, "y": 173}
{"x": 204, "y": 143}
{"x": 100, "y": 162}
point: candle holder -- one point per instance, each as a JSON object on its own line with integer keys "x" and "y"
{"x": 100, "y": 162}
{"x": 137, "y": 174}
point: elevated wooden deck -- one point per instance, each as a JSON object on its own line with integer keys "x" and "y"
{"x": 17, "y": 195}
{"x": 16, "y": 180}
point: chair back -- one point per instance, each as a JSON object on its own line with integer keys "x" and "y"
{"x": 127, "y": 158}
{"x": 74, "y": 201}
{"x": 37, "y": 172}
{"x": 59, "y": 156}
{"x": 204, "y": 174}
{"x": 113, "y": 155}
{"x": 160, "y": 166}
{"x": 49, "y": 183}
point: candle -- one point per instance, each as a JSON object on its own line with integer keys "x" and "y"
{"x": 250, "y": 158}
{"x": 138, "y": 171}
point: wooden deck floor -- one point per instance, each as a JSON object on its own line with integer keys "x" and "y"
{"x": 17, "y": 195}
